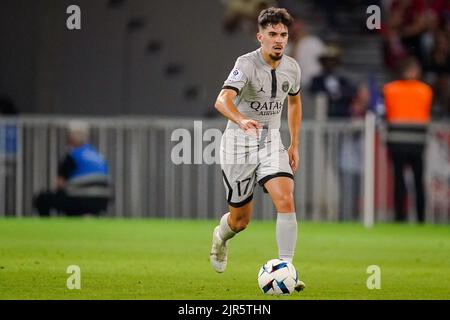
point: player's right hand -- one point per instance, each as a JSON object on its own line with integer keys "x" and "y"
{"x": 250, "y": 127}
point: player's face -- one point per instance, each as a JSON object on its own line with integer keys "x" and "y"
{"x": 273, "y": 40}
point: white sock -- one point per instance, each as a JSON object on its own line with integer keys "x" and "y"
{"x": 225, "y": 232}
{"x": 286, "y": 233}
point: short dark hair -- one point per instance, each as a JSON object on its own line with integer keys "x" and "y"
{"x": 274, "y": 16}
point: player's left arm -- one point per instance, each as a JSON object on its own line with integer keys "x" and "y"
{"x": 295, "y": 121}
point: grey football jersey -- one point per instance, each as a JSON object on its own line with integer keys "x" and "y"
{"x": 261, "y": 90}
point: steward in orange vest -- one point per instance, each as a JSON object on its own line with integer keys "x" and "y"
{"x": 408, "y": 108}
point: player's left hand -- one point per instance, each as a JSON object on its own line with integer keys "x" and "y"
{"x": 294, "y": 158}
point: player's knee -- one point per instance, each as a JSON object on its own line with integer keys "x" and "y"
{"x": 240, "y": 224}
{"x": 285, "y": 203}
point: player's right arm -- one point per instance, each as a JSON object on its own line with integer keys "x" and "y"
{"x": 224, "y": 104}
{"x": 235, "y": 84}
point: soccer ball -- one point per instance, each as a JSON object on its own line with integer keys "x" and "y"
{"x": 277, "y": 277}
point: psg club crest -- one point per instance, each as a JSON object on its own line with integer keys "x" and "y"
{"x": 285, "y": 86}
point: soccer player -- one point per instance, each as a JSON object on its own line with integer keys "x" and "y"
{"x": 252, "y": 99}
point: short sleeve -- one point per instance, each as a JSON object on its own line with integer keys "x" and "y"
{"x": 295, "y": 89}
{"x": 239, "y": 76}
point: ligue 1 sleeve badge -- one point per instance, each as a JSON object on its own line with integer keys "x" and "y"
{"x": 235, "y": 75}
{"x": 285, "y": 86}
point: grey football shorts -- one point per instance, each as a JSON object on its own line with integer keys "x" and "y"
{"x": 246, "y": 161}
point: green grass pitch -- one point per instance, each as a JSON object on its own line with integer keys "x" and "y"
{"x": 169, "y": 259}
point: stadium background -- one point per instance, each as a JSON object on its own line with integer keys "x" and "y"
{"x": 137, "y": 70}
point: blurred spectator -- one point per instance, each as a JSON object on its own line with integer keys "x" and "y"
{"x": 408, "y": 107}
{"x": 360, "y": 103}
{"x": 438, "y": 52}
{"x": 337, "y": 87}
{"x": 440, "y": 9}
{"x": 403, "y": 32}
{"x": 244, "y": 12}
{"x": 439, "y": 70}
{"x": 83, "y": 185}
{"x": 351, "y": 159}
{"x": 306, "y": 49}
